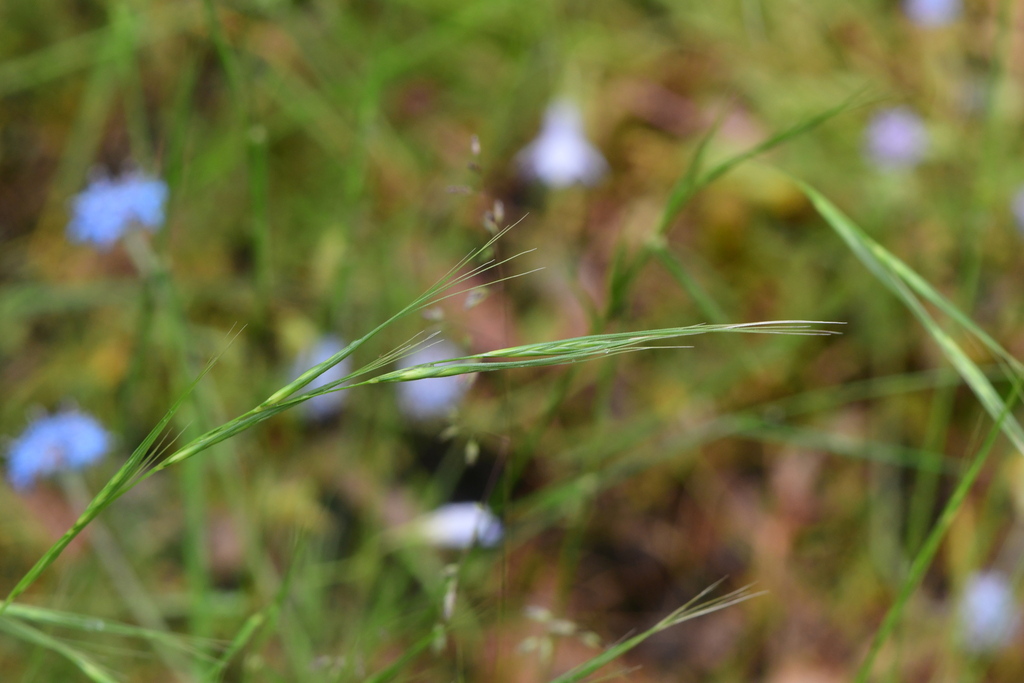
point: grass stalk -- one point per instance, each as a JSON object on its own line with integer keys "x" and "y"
{"x": 923, "y": 559}
{"x": 122, "y": 576}
{"x": 691, "y": 610}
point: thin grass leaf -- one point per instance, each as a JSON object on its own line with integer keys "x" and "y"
{"x": 876, "y": 451}
{"x": 690, "y": 183}
{"x": 687, "y": 185}
{"x": 425, "y": 300}
{"x": 690, "y": 610}
{"x": 919, "y": 285}
{"x": 896, "y": 276}
{"x": 392, "y": 670}
{"x": 89, "y": 668}
{"x": 708, "y": 306}
{"x": 264, "y": 618}
{"x": 79, "y": 622}
{"x": 923, "y": 559}
{"x": 121, "y": 482}
{"x": 241, "y": 639}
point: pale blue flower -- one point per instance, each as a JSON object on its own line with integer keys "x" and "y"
{"x": 896, "y": 138}
{"x": 932, "y": 13}
{"x": 69, "y": 440}
{"x": 109, "y": 207}
{"x": 323, "y": 407}
{"x": 989, "y": 616}
{"x": 561, "y": 155}
{"x": 458, "y": 526}
{"x": 433, "y": 397}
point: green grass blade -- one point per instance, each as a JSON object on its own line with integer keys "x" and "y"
{"x": 245, "y": 634}
{"x": 263, "y": 620}
{"x": 896, "y": 276}
{"x": 707, "y": 305}
{"x": 688, "y": 185}
{"x": 426, "y": 299}
{"x": 392, "y": 670}
{"x": 121, "y": 482}
{"x": 89, "y": 668}
{"x": 691, "y": 183}
{"x": 926, "y": 291}
{"x": 691, "y": 610}
{"x": 88, "y": 624}
{"x": 923, "y": 559}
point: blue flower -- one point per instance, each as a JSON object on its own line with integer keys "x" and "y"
{"x": 561, "y": 155}
{"x": 106, "y": 209}
{"x": 323, "y": 407}
{"x": 989, "y": 615}
{"x": 896, "y": 138}
{"x": 459, "y": 526}
{"x": 66, "y": 441}
{"x": 932, "y": 13}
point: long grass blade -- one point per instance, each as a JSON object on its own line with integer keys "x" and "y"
{"x": 923, "y": 559}
{"x": 692, "y": 182}
{"x": 89, "y": 668}
{"x": 691, "y": 610}
{"x": 88, "y": 624}
{"x": 121, "y": 482}
{"x": 902, "y": 282}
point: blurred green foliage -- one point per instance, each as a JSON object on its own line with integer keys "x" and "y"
{"x": 321, "y": 174}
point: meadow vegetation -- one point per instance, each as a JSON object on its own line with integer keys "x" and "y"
{"x": 479, "y": 340}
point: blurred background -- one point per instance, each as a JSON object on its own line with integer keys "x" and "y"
{"x": 327, "y": 161}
